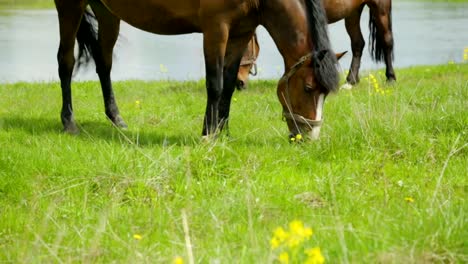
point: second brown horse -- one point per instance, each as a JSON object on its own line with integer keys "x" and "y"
{"x": 380, "y": 38}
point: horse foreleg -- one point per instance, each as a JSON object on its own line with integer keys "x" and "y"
{"x": 109, "y": 27}
{"x": 214, "y": 48}
{"x": 353, "y": 28}
{"x": 234, "y": 53}
{"x": 230, "y": 80}
{"x": 69, "y": 21}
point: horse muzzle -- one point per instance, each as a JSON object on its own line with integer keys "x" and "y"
{"x": 303, "y": 126}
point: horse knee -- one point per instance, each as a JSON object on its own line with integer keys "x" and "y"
{"x": 104, "y": 69}
{"x": 66, "y": 61}
{"x": 357, "y": 46}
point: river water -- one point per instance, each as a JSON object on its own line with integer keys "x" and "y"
{"x": 424, "y": 33}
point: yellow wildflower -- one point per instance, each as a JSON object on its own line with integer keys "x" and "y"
{"x": 294, "y": 241}
{"x": 409, "y": 199}
{"x": 178, "y": 260}
{"x": 275, "y": 243}
{"x": 314, "y": 256}
{"x": 298, "y": 233}
{"x": 284, "y": 258}
{"x": 297, "y": 227}
{"x": 298, "y": 137}
{"x": 307, "y": 232}
{"x": 280, "y": 234}
{"x": 374, "y": 83}
{"x": 137, "y": 237}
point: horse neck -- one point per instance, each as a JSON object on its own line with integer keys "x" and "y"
{"x": 286, "y": 22}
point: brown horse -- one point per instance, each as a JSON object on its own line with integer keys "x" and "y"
{"x": 380, "y": 38}
{"x": 300, "y": 34}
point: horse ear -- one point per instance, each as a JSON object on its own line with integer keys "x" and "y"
{"x": 341, "y": 54}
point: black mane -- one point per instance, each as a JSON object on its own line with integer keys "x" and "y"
{"x": 324, "y": 58}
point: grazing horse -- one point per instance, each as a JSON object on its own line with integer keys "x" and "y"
{"x": 380, "y": 37}
{"x": 300, "y": 33}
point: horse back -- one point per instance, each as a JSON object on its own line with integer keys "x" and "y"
{"x": 176, "y": 16}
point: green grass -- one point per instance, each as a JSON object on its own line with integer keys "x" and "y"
{"x": 82, "y": 198}
{"x": 436, "y": 1}
{"x": 26, "y": 4}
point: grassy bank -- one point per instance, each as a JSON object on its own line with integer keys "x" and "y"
{"x": 26, "y": 4}
{"x": 385, "y": 184}
{"x": 437, "y": 1}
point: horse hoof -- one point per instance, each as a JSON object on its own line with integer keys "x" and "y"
{"x": 209, "y": 138}
{"x": 71, "y": 130}
{"x": 346, "y": 86}
{"x": 391, "y": 81}
{"x": 120, "y": 123}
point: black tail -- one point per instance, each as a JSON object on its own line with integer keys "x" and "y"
{"x": 87, "y": 38}
{"x": 376, "y": 39}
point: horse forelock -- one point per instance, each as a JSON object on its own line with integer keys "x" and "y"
{"x": 253, "y": 4}
{"x": 325, "y": 67}
{"x": 325, "y": 71}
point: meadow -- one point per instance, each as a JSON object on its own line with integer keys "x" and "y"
{"x": 26, "y": 4}
{"x": 386, "y": 183}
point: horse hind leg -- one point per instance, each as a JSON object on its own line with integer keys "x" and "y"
{"x": 381, "y": 17}
{"x": 108, "y": 32}
{"x": 352, "y": 24}
{"x": 69, "y": 22}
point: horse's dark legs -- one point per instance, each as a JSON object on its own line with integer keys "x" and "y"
{"x": 353, "y": 28}
{"x": 109, "y": 26}
{"x": 214, "y": 48}
{"x": 233, "y": 58}
{"x": 69, "y": 15}
{"x": 383, "y": 21}
{"x": 230, "y": 79}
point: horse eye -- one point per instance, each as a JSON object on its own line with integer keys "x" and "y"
{"x": 308, "y": 88}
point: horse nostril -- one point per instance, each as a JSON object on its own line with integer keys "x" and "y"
{"x": 240, "y": 84}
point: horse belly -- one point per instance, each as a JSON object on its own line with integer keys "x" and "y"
{"x": 158, "y": 16}
{"x": 339, "y": 9}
